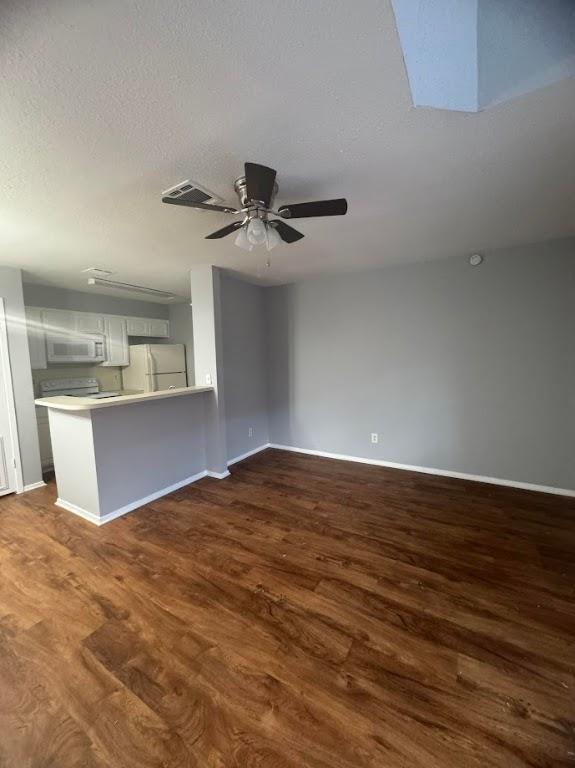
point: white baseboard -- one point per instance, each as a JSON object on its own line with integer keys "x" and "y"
{"x": 102, "y": 520}
{"x": 243, "y": 456}
{"x": 33, "y": 486}
{"x": 76, "y": 510}
{"x": 431, "y": 471}
{"x": 218, "y": 475}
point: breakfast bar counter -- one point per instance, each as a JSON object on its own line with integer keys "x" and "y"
{"x": 115, "y": 454}
{"x": 68, "y": 403}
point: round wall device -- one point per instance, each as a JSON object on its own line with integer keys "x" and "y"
{"x": 475, "y": 259}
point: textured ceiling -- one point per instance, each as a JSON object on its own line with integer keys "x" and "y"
{"x": 105, "y": 104}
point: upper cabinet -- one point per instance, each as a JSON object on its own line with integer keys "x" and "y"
{"x": 116, "y": 335}
{"x": 138, "y": 326}
{"x": 160, "y": 329}
{"x": 36, "y": 339}
{"x": 142, "y": 326}
{"x": 114, "y": 329}
{"x": 58, "y": 321}
{"x": 89, "y": 323}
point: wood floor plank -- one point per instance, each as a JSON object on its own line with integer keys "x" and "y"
{"x": 302, "y": 612}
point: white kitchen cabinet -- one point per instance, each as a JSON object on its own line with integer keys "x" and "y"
{"x": 36, "y": 339}
{"x": 58, "y": 322}
{"x": 138, "y": 326}
{"x": 148, "y": 327}
{"x": 86, "y": 322}
{"x": 116, "y": 341}
{"x": 160, "y": 329}
{"x": 68, "y": 322}
{"x": 115, "y": 330}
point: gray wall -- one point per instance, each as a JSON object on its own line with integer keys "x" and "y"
{"x": 144, "y": 447}
{"x": 82, "y": 301}
{"x": 11, "y": 292}
{"x": 459, "y": 368}
{"x": 182, "y": 332}
{"x": 245, "y": 365}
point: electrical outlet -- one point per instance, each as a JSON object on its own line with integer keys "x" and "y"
{"x": 374, "y": 437}
{"x": 208, "y": 379}
{"x": 250, "y": 432}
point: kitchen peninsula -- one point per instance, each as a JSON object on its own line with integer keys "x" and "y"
{"x": 116, "y": 454}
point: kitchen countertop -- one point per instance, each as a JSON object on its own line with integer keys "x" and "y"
{"x": 68, "y": 403}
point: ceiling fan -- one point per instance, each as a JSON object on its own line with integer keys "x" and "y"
{"x": 256, "y": 191}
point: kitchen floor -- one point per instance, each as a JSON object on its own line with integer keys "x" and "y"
{"x": 303, "y": 612}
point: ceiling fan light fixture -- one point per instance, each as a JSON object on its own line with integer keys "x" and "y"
{"x": 242, "y": 240}
{"x": 256, "y": 191}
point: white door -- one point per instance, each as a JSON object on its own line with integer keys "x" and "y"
{"x": 161, "y": 381}
{"x": 10, "y": 477}
{"x": 166, "y": 358}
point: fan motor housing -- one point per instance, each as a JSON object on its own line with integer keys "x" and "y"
{"x": 240, "y": 187}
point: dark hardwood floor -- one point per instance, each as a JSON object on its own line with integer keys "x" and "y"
{"x": 303, "y": 612}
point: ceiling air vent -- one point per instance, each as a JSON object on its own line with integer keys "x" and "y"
{"x": 192, "y": 192}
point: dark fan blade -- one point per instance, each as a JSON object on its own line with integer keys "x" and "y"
{"x": 288, "y": 234}
{"x": 260, "y": 182}
{"x": 224, "y": 231}
{"x": 318, "y": 208}
{"x": 203, "y": 206}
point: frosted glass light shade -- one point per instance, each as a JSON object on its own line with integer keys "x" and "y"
{"x": 242, "y": 240}
{"x": 256, "y": 232}
{"x": 273, "y": 238}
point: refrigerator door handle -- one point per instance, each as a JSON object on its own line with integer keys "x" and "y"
{"x": 151, "y": 361}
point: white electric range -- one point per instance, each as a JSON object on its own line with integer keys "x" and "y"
{"x": 74, "y": 388}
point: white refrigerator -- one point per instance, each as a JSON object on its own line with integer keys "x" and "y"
{"x": 155, "y": 366}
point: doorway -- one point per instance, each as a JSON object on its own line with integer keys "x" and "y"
{"x": 10, "y": 472}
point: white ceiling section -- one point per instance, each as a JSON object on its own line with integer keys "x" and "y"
{"x": 106, "y": 104}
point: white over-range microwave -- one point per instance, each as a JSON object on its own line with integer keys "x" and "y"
{"x": 84, "y": 348}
